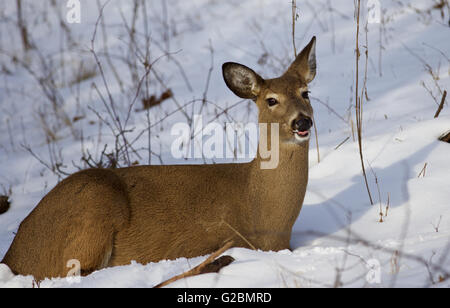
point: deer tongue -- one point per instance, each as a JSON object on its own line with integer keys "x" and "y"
{"x": 303, "y": 134}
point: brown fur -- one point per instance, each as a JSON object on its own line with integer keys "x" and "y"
{"x": 107, "y": 218}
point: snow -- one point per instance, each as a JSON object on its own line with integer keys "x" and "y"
{"x": 338, "y": 234}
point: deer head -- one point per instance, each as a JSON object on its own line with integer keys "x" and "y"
{"x": 283, "y": 100}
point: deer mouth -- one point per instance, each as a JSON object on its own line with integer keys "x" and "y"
{"x": 304, "y": 134}
{"x": 301, "y": 136}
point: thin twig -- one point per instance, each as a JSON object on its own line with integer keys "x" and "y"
{"x": 294, "y": 19}
{"x": 317, "y": 140}
{"x": 441, "y": 106}
{"x": 198, "y": 270}
{"x": 359, "y": 112}
{"x": 423, "y": 172}
{"x": 342, "y": 143}
{"x": 240, "y": 235}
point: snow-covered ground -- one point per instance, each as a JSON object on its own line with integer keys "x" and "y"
{"x": 338, "y": 239}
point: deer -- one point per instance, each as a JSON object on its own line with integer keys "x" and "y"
{"x": 111, "y": 217}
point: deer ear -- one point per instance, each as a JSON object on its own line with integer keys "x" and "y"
{"x": 305, "y": 64}
{"x": 243, "y": 81}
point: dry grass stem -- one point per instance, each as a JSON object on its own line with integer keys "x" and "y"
{"x": 210, "y": 265}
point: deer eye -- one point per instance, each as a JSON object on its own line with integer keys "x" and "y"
{"x": 272, "y": 102}
{"x": 305, "y": 95}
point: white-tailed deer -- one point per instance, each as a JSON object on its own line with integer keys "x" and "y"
{"x": 105, "y": 218}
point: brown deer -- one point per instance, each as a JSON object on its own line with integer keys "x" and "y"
{"x": 105, "y": 218}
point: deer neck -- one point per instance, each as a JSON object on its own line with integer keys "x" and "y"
{"x": 276, "y": 195}
{"x": 286, "y": 180}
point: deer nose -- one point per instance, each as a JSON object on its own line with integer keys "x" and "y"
{"x": 302, "y": 124}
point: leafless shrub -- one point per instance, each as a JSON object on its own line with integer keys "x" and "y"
{"x": 442, "y": 7}
{"x": 54, "y": 161}
{"x": 437, "y": 225}
{"x": 436, "y": 90}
